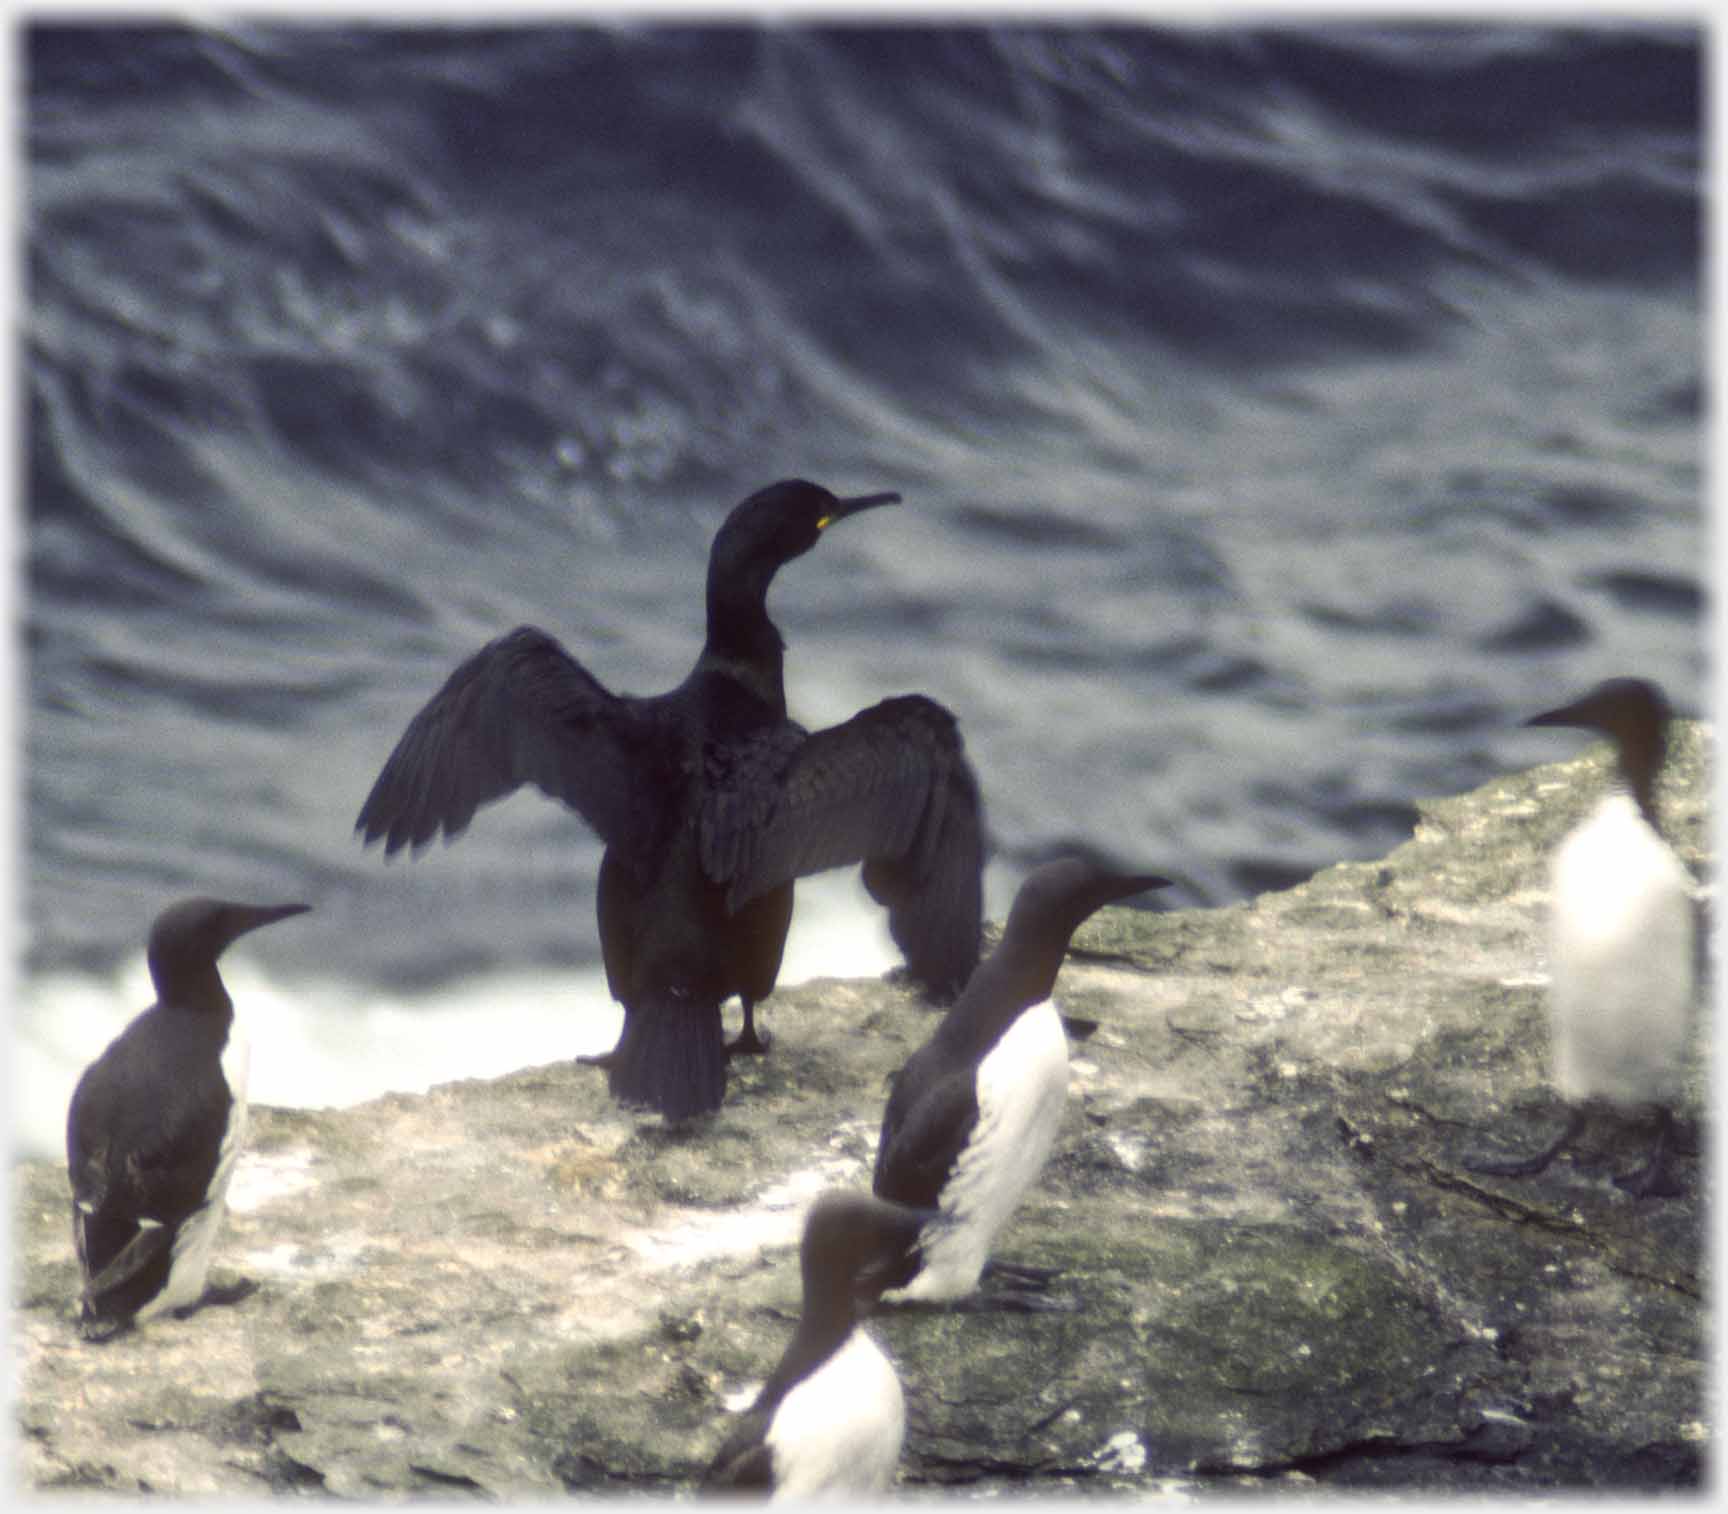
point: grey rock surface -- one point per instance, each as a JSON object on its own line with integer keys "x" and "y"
{"x": 1282, "y": 1273}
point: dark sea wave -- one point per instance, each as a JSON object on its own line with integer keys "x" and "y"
{"x": 1282, "y": 413}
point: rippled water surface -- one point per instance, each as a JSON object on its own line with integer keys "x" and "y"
{"x": 1282, "y": 415}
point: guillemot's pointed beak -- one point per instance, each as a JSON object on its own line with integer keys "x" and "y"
{"x": 1567, "y": 714}
{"x": 856, "y": 505}
{"x": 1140, "y": 883}
{"x": 244, "y": 918}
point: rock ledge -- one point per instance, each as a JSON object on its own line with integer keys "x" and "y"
{"x": 1284, "y": 1274}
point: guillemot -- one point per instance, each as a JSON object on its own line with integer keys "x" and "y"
{"x": 973, "y": 1113}
{"x": 1620, "y": 942}
{"x": 831, "y": 1418}
{"x": 155, "y": 1125}
{"x": 710, "y": 802}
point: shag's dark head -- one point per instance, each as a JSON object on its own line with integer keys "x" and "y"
{"x": 1633, "y": 713}
{"x": 773, "y": 526}
{"x": 854, "y": 1245}
{"x": 188, "y": 937}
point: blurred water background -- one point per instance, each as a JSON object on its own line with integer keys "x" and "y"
{"x": 1283, "y": 413}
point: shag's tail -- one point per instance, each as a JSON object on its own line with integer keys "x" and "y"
{"x": 671, "y": 1057}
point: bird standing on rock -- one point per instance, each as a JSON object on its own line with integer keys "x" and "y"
{"x": 156, "y": 1124}
{"x": 1620, "y": 942}
{"x": 710, "y": 802}
{"x": 831, "y": 1418}
{"x": 973, "y": 1113}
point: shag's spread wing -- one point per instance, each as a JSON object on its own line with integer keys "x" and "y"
{"x": 924, "y": 1129}
{"x": 135, "y": 1155}
{"x": 890, "y": 788}
{"x": 520, "y": 710}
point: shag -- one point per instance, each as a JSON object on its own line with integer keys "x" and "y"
{"x": 155, "y": 1125}
{"x": 1620, "y": 942}
{"x": 831, "y": 1418}
{"x": 972, "y": 1114}
{"x": 709, "y": 802}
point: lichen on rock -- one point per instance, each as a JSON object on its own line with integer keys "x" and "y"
{"x": 1282, "y": 1272}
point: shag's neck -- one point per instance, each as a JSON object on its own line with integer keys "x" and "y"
{"x": 742, "y": 642}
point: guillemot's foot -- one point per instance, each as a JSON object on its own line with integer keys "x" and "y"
{"x": 1654, "y": 1180}
{"x": 1511, "y": 1167}
{"x": 1528, "y": 1167}
{"x": 1016, "y": 1301}
{"x": 99, "y": 1330}
{"x": 1020, "y": 1272}
{"x": 215, "y": 1295}
{"x": 597, "y": 1058}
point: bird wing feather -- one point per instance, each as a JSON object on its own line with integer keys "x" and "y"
{"x": 520, "y": 710}
{"x": 924, "y": 1129}
{"x": 890, "y": 788}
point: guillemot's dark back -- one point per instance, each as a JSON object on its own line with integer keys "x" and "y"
{"x": 710, "y": 802}
{"x": 155, "y": 1125}
{"x": 971, "y": 1116}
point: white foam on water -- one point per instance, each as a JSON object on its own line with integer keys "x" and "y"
{"x": 332, "y": 1044}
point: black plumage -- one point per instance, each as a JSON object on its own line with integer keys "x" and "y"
{"x": 710, "y": 801}
{"x": 154, "y": 1125}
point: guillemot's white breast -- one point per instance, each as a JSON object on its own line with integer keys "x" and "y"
{"x": 1620, "y": 942}
{"x": 1022, "y": 1086}
{"x": 838, "y": 1432}
{"x": 1620, "y": 957}
{"x": 830, "y": 1420}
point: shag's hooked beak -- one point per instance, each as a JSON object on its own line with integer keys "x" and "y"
{"x": 856, "y": 505}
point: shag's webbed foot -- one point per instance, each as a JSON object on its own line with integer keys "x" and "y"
{"x": 598, "y": 1058}
{"x": 749, "y": 1042}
